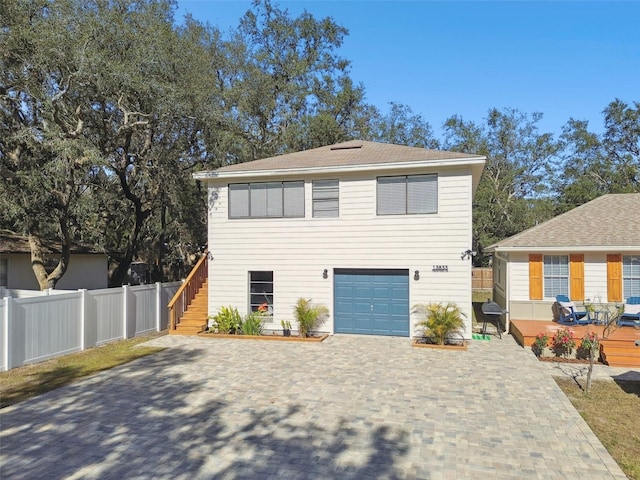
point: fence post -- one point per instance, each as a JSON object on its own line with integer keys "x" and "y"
{"x": 125, "y": 309}
{"x": 83, "y": 319}
{"x": 158, "y": 306}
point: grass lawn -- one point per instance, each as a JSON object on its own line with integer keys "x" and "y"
{"x": 612, "y": 411}
{"x": 31, "y": 380}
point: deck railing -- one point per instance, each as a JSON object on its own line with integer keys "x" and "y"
{"x": 187, "y": 292}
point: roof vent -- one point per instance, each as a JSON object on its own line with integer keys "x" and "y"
{"x": 346, "y": 147}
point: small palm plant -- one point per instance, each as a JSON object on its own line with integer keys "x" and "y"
{"x": 440, "y": 321}
{"x": 309, "y": 316}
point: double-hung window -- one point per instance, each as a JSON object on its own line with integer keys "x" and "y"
{"x": 326, "y": 198}
{"x": 261, "y": 292}
{"x": 556, "y": 275}
{"x": 630, "y": 276}
{"x": 266, "y": 200}
{"x": 404, "y": 195}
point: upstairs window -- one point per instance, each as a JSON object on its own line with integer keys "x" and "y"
{"x": 326, "y": 201}
{"x": 266, "y": 200}
{"x": 405, "y": 195}
{"x": 556, "y": 275}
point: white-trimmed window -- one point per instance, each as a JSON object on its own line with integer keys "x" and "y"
{"x": 326, "y": 198}
{"x": 404, "y": 195}
{"x": 556, "y": 275}
{"x": 266, "y": 200}
{"x": 630, "y": 276}
{"x": 261, "y": 292}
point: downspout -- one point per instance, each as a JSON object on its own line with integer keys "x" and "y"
{"x": 507, "y": 285}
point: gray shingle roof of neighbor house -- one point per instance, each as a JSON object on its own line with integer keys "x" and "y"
{"x": 13, "y": 243}
{"x": 347, "y": 155}
{"x": 609, "y": 222}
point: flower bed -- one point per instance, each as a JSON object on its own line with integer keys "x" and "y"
{"x": 273, "y": 337}
{"x": 562, "y": 347}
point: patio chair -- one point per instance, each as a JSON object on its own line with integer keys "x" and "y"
{"x": 631, "y": 314}
{"x": 568, "y": 314}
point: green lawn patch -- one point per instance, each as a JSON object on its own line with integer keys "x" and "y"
{"x": 21, "y": 383}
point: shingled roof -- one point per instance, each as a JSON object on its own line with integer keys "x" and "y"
{"x": 611, "y": 221}
{"x": 347, "y": 154}
{"x": 12, "y": 243}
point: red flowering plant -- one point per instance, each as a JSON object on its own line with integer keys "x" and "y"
{"x": 563, "y": 339}
{"x": 590, "y": 344}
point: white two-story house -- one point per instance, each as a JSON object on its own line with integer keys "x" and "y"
{"x": 368, "y": 229}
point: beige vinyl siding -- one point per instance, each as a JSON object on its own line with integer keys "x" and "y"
{"x": 298, "y": 250}
{"x": 595, "y": 276}
{"x": 520, "y": 307}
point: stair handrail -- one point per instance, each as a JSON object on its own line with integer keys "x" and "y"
{"x": 187, "y": 291}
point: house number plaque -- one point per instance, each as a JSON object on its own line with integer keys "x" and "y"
{"x": 440, "y": 268}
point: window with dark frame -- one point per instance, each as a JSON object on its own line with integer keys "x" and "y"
{"x": 326, "y": 198}
{"x": 3, "y": 272}
{"x": 261, "y": 292}
{"x": 266, "y": 200}
{"x": 407, "y": 194}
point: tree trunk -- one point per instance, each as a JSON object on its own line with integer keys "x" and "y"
{"x": 45, "y": 280}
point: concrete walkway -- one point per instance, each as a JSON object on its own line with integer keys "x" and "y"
{"x": 351, "y": 407}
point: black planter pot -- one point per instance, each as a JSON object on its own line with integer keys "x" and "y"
{"x": 286, "y": 332}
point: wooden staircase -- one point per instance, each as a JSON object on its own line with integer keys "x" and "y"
{"x": 188, "y": 309}
{"x": 194, "y": 319}
{"x": 621, "y": 352}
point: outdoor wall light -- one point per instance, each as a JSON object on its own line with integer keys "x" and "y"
{"x": 416, "y": 275}
{"x": 325, "y": 273}
{"x": 209, "y": 256}
{"x": 468, "y": 254}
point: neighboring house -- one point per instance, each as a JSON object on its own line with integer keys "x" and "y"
{"x": 589, "y": 253}
{"x": 368, "y": 229}
{"x": 87, "y": 269}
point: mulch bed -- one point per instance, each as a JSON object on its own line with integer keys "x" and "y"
{"x": 582, "y": 361}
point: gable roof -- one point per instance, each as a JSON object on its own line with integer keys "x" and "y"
{"x": 610, "y": 222}
{"x": 347, "y": 156}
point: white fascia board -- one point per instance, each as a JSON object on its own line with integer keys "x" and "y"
{"x": 573, "y": 249}
{"x": 215, "y": 174}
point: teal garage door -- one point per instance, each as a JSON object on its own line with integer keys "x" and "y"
{"x": 371, "y": 302}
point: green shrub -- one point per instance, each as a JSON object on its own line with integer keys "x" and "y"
{"x": 252, "y": 324}
{"x": 228, "y": 320}
{"x": 441, "y": 321}
{"x": 309, "y": 316}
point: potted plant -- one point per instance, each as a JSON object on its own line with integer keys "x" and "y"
{"x": 442, "y": 323}
{"x": 286, "y": 328}
{"x": 309, "y": 316}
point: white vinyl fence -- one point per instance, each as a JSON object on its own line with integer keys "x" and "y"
{"x": 54, "y": 323}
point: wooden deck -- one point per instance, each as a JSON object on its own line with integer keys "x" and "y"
{"x": 620, "y": 348}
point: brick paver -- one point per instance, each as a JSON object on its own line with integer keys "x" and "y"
{"x": 352, "y": 407}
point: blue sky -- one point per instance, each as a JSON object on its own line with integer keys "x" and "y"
{"x": 563, "y": 59}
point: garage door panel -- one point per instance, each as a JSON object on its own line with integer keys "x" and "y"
{"x": 379, "y": 303}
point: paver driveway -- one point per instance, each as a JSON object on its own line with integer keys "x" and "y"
{"x": 350, "y": 407}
